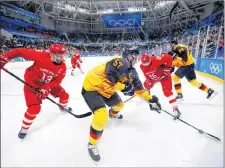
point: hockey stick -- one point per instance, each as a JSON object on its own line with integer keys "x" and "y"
{"x": 142, "y": 99}
{"x": 146, "y": 90}
{"x": 75, "y": 115}
{"x": 129, "y": 99}
{"x": 199, "y": 130}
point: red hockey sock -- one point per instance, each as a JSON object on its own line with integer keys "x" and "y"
{"x": 30, "y": 115}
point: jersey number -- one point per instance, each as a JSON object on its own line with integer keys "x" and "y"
{"x": 181, "y": 50}
{"x": 46, "y": 79}
{"x": 158, "y": 57}
{"x": 117, "y": 63}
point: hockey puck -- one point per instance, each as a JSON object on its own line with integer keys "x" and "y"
{"x": 200, "y": 131}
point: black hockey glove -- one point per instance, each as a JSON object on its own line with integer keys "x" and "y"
{"x": 172, "y": 69}
{"x": 128, "y": 90}
{"x": 173, "y": 54}
{"x": 154, "y": 104}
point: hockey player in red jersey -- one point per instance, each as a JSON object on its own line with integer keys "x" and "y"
{"x": 46, "y": 74}
{"x": 75, "y": 61}
{"x": 159, "y": 69}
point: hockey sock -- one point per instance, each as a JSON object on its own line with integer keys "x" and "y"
{"x": 63, "y": 99}
{"x": 99, "y": 121}
{"x": 177, "y": 84}
{"x": 178, "y": 88}
{"x": 204, "y": 87}
{"x": 172, "y": 100}
{"x": 30, "y": 115}
{"x": 199, "y": 85}
{"x": 113, "y": 113}
{"x": 95, "y": 135}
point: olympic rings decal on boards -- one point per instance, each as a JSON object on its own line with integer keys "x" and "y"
{"x": 215, "y": 68}
{"x": 122, "y": 23}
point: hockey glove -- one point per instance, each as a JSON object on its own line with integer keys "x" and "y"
{"x": 168, "y": 70}
{"x": 44, "y": 92}
{"x": 154, "y": 104}
{"x": 172, "y": 69}
{"x": 128, "y": 90}
{"x": 148, "y": 84}
{"x": 3, "y": 60}
{"x": 174, "y": 55}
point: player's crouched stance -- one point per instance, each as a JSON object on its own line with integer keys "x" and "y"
{"x": 159, "y": 69}
{"x": 46, "y": 75}
{"x": 99, "y": 89}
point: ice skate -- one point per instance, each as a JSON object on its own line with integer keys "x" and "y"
{"x": 179, "y": 97}
{"x": 93, "y": 152}
{"x": 117, "y": 116}
{"x": 22, "y": 133}
{"x": 81, "y": 71}
{"x": 177, "y": 113}
{"x": 211, "y": 94}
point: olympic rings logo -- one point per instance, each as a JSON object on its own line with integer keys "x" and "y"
{"x": 122, "y": 23}
{"x": 215, "y": 68}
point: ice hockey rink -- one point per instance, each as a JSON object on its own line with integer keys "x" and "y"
{"x": 142, "y": 138}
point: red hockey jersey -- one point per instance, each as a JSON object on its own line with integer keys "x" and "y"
{"x": 159, "y": 68}
{"x": 76, "y": 59}
{"x": 43, "y": 71}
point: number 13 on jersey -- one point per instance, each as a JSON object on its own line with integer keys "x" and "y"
{"x": 46, "y": 79}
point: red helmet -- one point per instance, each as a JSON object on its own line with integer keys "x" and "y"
{"x": 57, "y": 49}
{"x": 58, "y": 53}
{"x": 145, "y": 59}
{"x": 77, "y": 53}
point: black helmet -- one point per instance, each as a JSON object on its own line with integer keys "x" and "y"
{"x": 131, "y": 55}
{"x": 133, "y": 52}
{"x": 174, "y": 42}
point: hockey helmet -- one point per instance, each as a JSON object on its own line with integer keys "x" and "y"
{"x": 58, "y": 53}
{"x": 173, "y": 44}
{"x": 57, "y": 49}
{"x": 145, "y": 59}
{"x": 131, "y": 55}
{"x": 77, "y": 53}
{"x": 130, "y": 52}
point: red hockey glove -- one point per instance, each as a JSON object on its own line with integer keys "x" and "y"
{"x": 148, "y": 84}
{"x": 3, "y": 60}
{"x": 81, "y": 61}
{"x": 168, "y": 70}
{"x": 44, "y": 92}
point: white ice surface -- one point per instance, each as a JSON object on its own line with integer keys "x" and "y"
{"x": 142, "y": 138}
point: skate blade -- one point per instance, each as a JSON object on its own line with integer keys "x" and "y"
{"x": 213, "y": 95}
{"x": 96, "y": 163}
{"x": 179, "y": 100}
{"x": 177, "y": 117}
